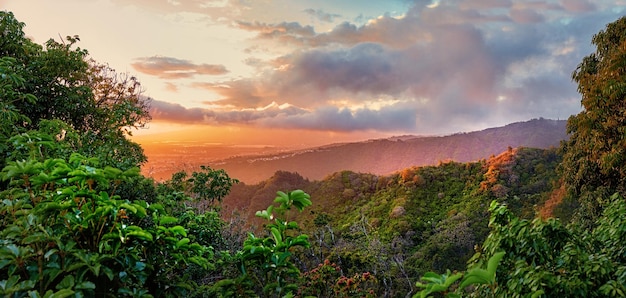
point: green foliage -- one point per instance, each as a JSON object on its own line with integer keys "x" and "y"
{"x": 422, "y": 219}
{"x": 58, "y": 81}
{"x": 62, "y": 235}
{"x": 594, "y": 164}
{"x": 207, "y": 186}
{"x": 268, "y": 261}
{"x": 436, "y": 283}
{"x": 549, "y": 259}
{"x": 77, "y": 219}
{"x": 480, "y": 276}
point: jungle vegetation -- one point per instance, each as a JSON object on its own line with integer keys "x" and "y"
{"x": 77, "y": 219}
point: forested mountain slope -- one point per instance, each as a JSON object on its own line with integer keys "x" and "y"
{"x": 78, "y": 219}
{"x": 429, "y": 217}
{"x": 385, "y": 156}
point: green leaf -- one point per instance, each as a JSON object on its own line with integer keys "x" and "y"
{"x": 166, "y": 220}
{"x": 300, "y": 199}
{"x": 129, "y": 207}
{"x": 66, "y": 283}
{"x": 59, "y": 294}
{"x": 476, "y": 276}
{"x": 281, "y": 198}
{"x": 277, "y": 236}
{"x": 141, "y": 235}
{"x": 178, "y": 230}
{"x": 85, "y": 285}
{"x": 265, "y": 214}
{"x": 156, "y": 207}
{"x": 182, "y": 242}
{"x": 493, "y": 263}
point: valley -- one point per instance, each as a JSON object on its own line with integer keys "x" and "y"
{"x": 377, "y": 156}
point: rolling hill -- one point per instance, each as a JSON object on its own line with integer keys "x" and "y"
{"x": 385, "y": 156}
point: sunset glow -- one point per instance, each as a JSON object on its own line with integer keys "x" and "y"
{"x": 280, "y": 73}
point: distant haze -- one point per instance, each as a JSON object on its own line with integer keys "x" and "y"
{"x": 252, "y": 164}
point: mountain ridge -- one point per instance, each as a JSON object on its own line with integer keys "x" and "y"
{"x": 388, "y": 155}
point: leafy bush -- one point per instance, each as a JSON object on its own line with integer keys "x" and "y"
{"x": 61, "y": 234}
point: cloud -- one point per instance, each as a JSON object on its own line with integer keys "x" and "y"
{"x": 326, "y": 118}
{"x": 526, "y": 16}
{"x": 173, "y": 112}
{"x": 578, "y": 5}
{"x": 458, "y": 59}
{"x": 173, "y": 68}
{"x": 171, "y": 87}
{"x": 321, "y": 15}
{"x": 433, "y": 69}
{"x": 342, "y": 119}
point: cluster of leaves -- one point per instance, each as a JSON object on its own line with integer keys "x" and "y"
{"x": 77, "y": 219}
{"x": 65, "y": 230}
{"x": 401, "y": 226}
{"x": 543, "y": 258}
{"x": 59, "y": 82}
{"x": 552, "y": 259}
{"x": 594, "y": 161}
{"x": 266, "y": 263}
{"x": 442, "y": 283}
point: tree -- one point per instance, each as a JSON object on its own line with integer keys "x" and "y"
{"x": 59, "y": 81}
{"x": 550, "y": 259}
{"x": 62, "y": 235}
{"x": 594, "y": 164}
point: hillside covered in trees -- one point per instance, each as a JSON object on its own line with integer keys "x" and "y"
{"x": 77, "y": 219}
{"x": 385, "y": 156}
{"x": 377, "y": 156}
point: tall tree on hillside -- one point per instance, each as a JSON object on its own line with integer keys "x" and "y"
{"x": 63, "y": 83}
{"x": 595, "y": 156}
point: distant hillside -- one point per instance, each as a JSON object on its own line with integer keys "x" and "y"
{"x": 385, "y": 156}
{"x": 431, "y": 217}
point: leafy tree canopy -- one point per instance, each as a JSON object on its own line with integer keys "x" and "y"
{"x": 595, "y": 156}
{"x": 58, "y": 81}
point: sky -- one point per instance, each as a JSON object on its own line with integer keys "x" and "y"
{"x": 333, "y": 70}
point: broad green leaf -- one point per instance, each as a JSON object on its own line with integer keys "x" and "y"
{"x": 129, "y": 207}
{"x": 66, "y": 283}
{"x": 59, "y": 294}
{"x": 85, "y": 285}
{"x": 141, "y": 235}
{"x": 178, "y": 230}
{"x": 166, "y": 220}
{"x": 182, "y": 242}
{"x": 493, "y": 263}
{"x": 277, "y": 236}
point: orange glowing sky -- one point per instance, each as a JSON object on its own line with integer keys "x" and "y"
{"x": 306, "y": 72}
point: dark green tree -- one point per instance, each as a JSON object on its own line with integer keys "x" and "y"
{"x": 59, "y": 81}
{"x": 594, "y": 164}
